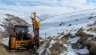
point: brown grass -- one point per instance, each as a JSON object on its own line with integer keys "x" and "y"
{"x": 92, "y": 29}
{"x": 5, "y": 51}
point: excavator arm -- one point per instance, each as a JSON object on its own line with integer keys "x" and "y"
{"x": 36, "y": 27}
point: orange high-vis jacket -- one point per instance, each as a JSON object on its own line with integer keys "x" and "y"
{"x": 36, "y": 24}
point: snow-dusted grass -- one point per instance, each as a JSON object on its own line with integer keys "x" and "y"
{"x": 70, "y": 51}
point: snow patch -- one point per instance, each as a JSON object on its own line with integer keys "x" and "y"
{"x": 83, "y": 51}
{"x": 52, "y": 42}
{"x": 5, "y": 41}
{"x": 74, "y": 40}
{"x": 69, "y": 52}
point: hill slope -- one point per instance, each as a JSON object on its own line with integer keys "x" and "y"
{"x": 60, "y": 23}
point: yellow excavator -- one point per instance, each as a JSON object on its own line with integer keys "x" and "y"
{"x": 20, "y": 39}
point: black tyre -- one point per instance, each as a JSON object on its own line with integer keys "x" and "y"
{"x": 9, "y": 43}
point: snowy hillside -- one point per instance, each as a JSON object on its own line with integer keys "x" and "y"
{"x": 68, "y": 26}
{"x": 76, "y": 41}
{"x": 69, "y": 23}
{"x": 64, "y": 28}
{"x": 66, "y": 22}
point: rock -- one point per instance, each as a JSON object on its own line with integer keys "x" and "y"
{"x": 90, "y": 17}
{"x": 70, "y": 25}
{"x": 75, "y": 46}
{"x": 91, "y": 46}
{"x": 95, "y": 23}
{"x": 76, "y": 19}
{"x": 83, "y": 40}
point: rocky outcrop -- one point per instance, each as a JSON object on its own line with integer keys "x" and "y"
{"x": 85, "y": 42}
{"x": 91, "y": 46}
{"x": 10, "y": 21}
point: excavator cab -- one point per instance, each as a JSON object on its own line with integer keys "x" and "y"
{"x": 21, "y": 32}
{"x": 19, "y": 38}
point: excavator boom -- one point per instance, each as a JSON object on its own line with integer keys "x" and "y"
{"x": 36, "y": 27}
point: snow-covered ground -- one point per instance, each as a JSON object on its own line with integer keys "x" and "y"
{"x": 67, "y": 23}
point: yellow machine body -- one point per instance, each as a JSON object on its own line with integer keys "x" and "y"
{"x": 16, "y": 43}
{"x": 19, "y": 39}
{"x": 13, "y": 42}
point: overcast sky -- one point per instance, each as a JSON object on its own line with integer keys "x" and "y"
{"x": 25, "y": 7}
